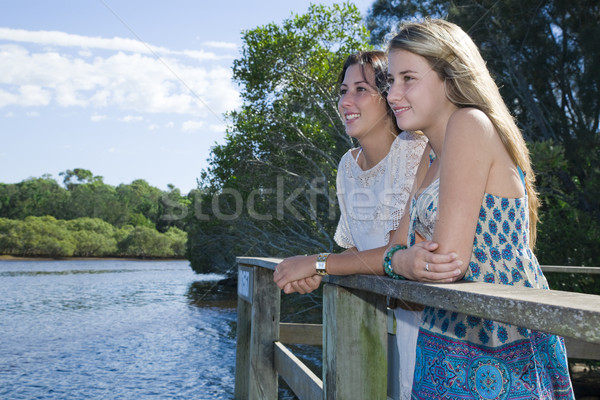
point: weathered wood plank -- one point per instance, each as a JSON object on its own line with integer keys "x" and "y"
{"x": 571, "y": 270}
{"x": 242, "y": 355}
{"x": 264, "y": 262}
{"x": 568, "y": 314}
{"x": 583, "y": 350}
{"x": 303, "y": 382}
{"x": 263, "y": 376}
{"x": 355, "y": 344}
{"x": 292, "y": 333}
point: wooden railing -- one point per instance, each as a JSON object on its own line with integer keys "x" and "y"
{"x": 354, "y": 334}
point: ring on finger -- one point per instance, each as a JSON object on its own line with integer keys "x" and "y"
{"x": 427, "y": 267}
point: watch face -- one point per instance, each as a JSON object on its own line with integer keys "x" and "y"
{"x": 321, "y": 268}
{"x": 321, "y": 265}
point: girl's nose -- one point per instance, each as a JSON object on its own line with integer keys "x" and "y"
{"x": 346, "y": 100}
{"x": 395, "y": 94}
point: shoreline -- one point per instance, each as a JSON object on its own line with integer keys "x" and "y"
{"x": 5, "y": 257}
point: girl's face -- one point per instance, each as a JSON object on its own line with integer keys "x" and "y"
{"x": 360, "y": 104}
{"x": 417, "y": 94}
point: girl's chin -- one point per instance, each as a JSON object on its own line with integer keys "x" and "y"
{"x": 403, "y": 125}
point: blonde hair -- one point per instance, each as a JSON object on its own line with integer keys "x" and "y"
{"x": 456, "y": 59}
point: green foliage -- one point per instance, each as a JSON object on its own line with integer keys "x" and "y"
{"x": 143, "y": 242}
{"x": 177, "y": 241}
{"x": 270, "y": 187}
{"x": 92, "y": 237}
{"x": 139, "y": 219}
{"x": 567, "y": 234}
{"x": 135, "y": 203}
{"x": 88, "y": 218}
{"x": 33, "y": 197}
{"x": 86, "y": 237}
{"x": 37, "y": 236}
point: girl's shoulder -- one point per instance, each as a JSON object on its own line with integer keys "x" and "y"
{"x": 469, "y": 117}
{"x": 471, "y": 127}
{"x": 348, "y": 157}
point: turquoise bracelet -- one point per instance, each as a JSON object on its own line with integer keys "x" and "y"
{"x": 387, "y": 261}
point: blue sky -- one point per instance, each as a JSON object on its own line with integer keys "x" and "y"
{"x": 129, "y": 89}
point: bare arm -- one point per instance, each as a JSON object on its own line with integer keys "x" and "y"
{"x": 411, "y": 263}
{"x": 468, "y": 158}
{"x": 301, "y": 268}
{"x": 471, "y": 148}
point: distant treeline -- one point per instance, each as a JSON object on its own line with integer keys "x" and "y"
{"x": 87, "y": 237}
{"x": 88, "y": 218}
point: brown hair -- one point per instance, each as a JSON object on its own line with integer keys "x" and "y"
{"x": 378, "y": 61}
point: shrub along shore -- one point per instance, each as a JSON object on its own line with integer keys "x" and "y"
{"x": 87, "y": 237}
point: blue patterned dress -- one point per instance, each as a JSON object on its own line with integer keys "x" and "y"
{"x": 465, "y": 357}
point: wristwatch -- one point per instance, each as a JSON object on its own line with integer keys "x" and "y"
{"x": 321, "y": 264}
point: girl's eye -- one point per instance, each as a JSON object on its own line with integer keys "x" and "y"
{"x": 408, "y": 78}
{"x": 361, "y": 89}
{"x": 343, "y": 92}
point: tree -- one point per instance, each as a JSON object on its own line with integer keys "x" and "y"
{"x": 145, "y": 242}
{"x": 33, "y": 197}
{"x": 89, "y": 218}
{"x": 544, "y": 57}
{"x": 139, "y": 198}
{"x": 269, "y": 188}
{"x": 92, "y": 237}
{"x": 177, "y": 239}
{"x": 40, "y": 236}
{"x": 82, "y": 175}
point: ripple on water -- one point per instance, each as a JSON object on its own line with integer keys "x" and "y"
{"x": 114, "y": 330}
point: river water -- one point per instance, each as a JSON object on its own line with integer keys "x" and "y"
{"x": 114, "y": 330}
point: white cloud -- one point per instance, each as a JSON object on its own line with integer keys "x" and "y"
{"x": 63, "y": 39}
{"x": 221, "y": 45}
{"x": 129, "y": 77}
{"x": 26, "y": 96}
{"x": 218, "y": 128}
{"x": 192, "y": 126}
{"x": 131, "y": 118}
{"x": 98, "y": 118}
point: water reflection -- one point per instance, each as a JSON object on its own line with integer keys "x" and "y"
{"x": 217, "y": 294}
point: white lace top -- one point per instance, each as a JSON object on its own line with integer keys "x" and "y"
{"x": 373, "y": 201}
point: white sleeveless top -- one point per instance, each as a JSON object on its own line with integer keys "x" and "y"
{"x": 372, "y": 202}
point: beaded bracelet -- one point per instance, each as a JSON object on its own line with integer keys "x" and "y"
{"x": 387, "y": 261}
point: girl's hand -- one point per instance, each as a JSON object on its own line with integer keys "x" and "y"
{"x": 294, "y": 269}
{"x": 303, "y": 286}
{"x": 420, "y": 263}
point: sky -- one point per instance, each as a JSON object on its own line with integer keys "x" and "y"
{"x": 128, "y": 89}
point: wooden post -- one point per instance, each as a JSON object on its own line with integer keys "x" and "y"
{"x": 242, "y": 355}
{"x": 258, "y": 329}
{"x": 354, "y": 344}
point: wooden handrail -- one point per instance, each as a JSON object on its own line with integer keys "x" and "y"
{"x": 354, "y": 302}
